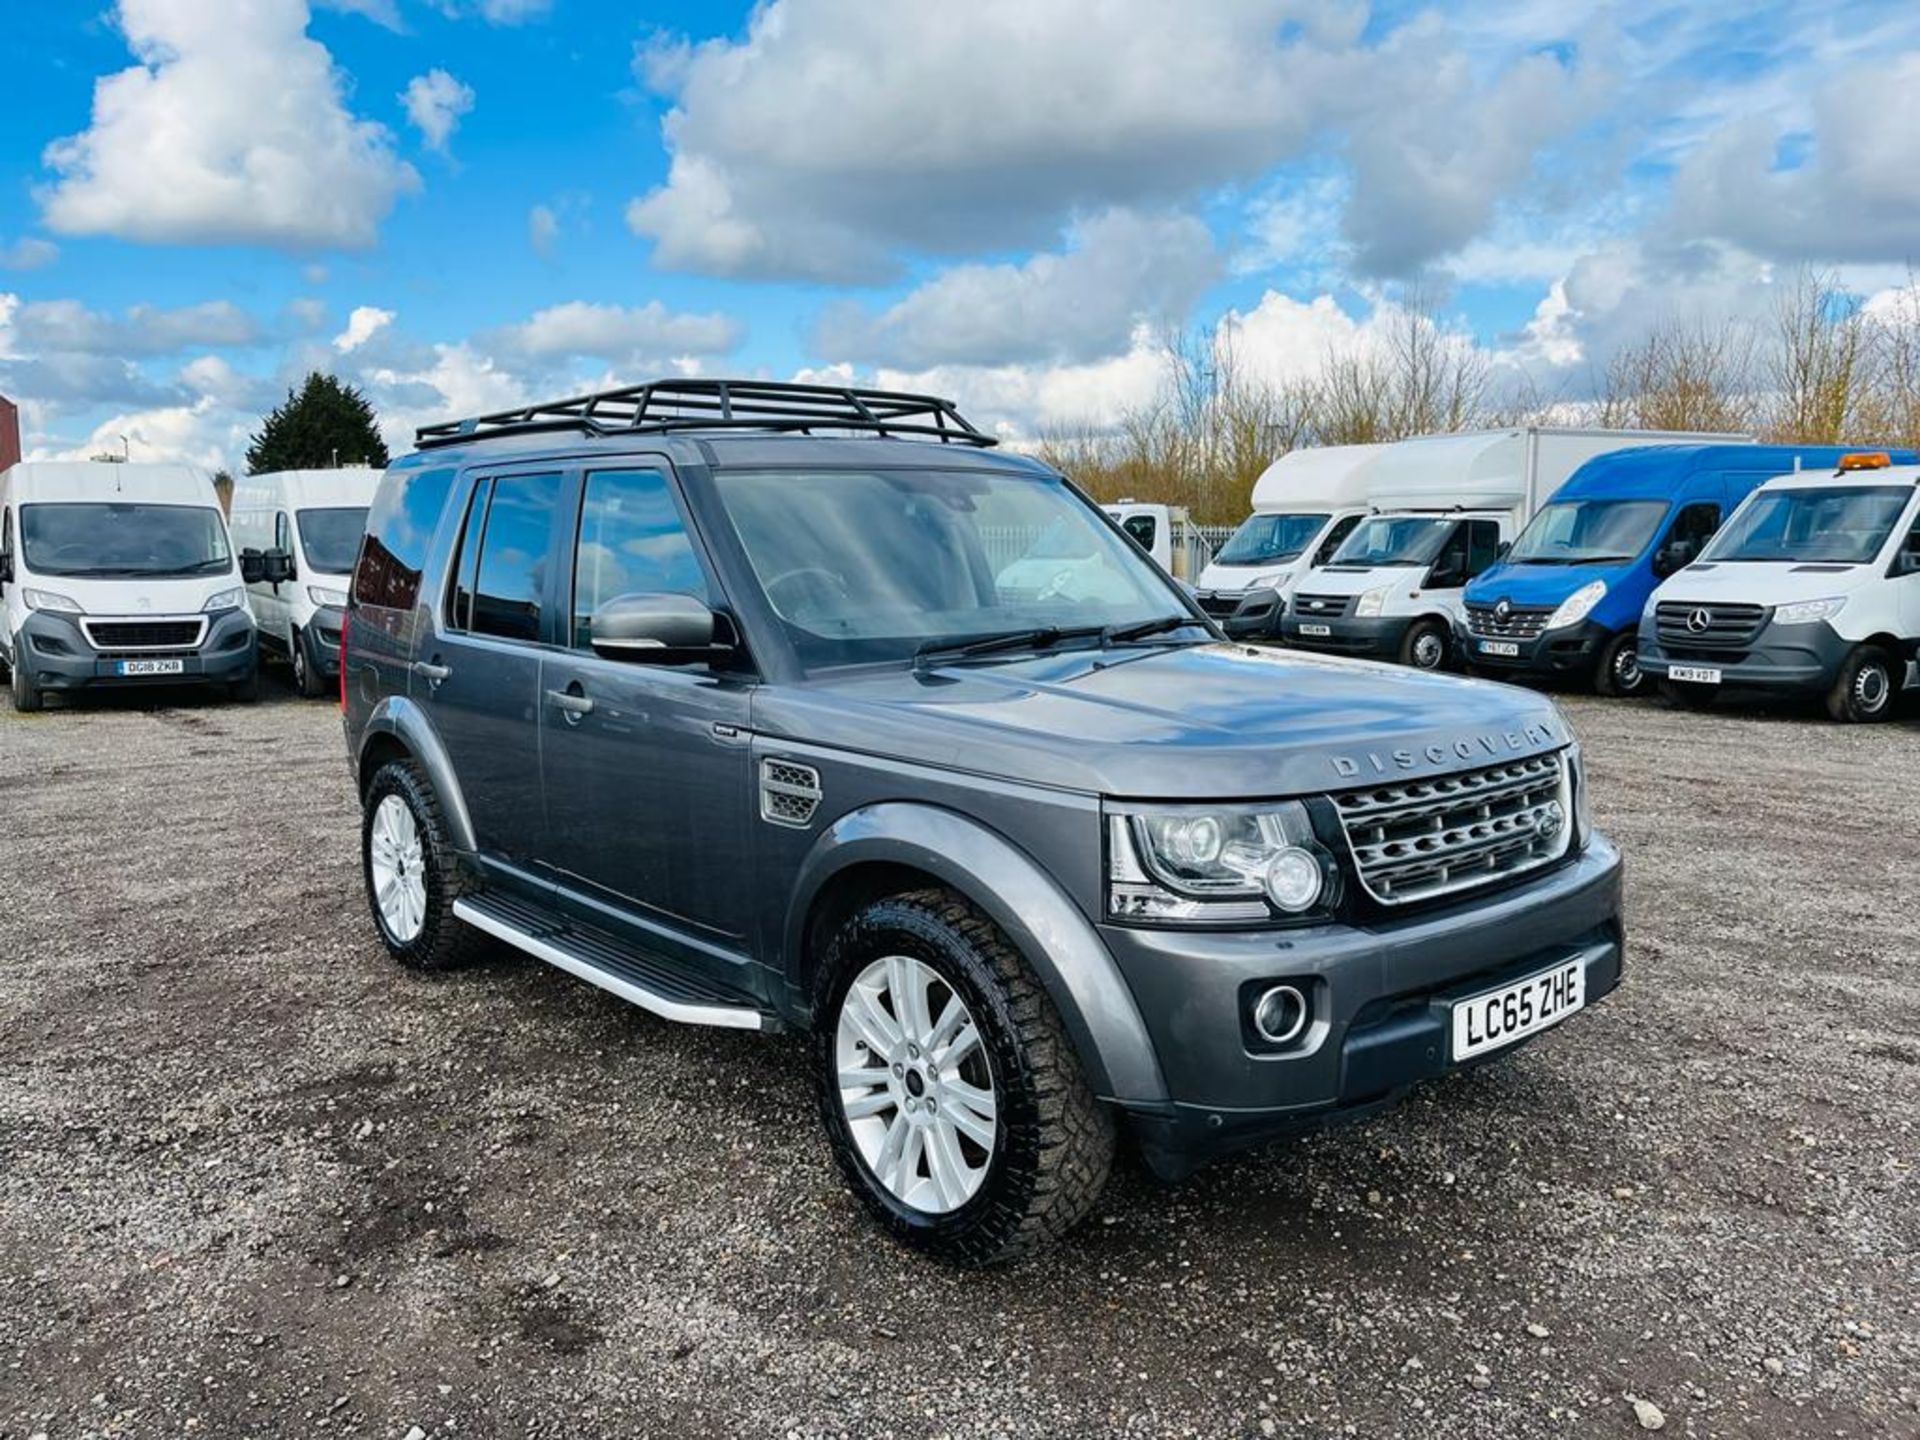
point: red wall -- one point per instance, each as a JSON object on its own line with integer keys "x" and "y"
{"x": 9, "y": 433}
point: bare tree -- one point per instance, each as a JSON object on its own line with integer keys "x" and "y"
{"x": 1820, "y": 365}
{"x": 1683, "y": 376}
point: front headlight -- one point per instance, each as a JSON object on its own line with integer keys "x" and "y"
{"x": 321, "y": 596}
{"x": 47, "y": 600}
{"x": 1372, "y": 602}
{"x": 1805, "y": 612}
{"x": 1217, "y": 865}
{"x": 1577, "y": 606}
{"x": 223, "y": 600}
{"x": 1270, "y": 582}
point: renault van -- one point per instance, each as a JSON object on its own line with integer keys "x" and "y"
{"x": 304, "y": 526}
{"x": 115, "y": 575}
{"x": 1304, "y": 505}
{"x": 1565, "y": 601}
{"x": 1812, "y": 587}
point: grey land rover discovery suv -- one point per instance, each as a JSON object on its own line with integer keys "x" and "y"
{"x": 790, "y": 707}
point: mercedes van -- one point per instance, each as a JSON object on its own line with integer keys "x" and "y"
{"x": 303, "y": 527}
{"x": 115, "y": 575}
{"x": 1304, "y": 505}
{"x": 1812, "y": 587}
{"x": 1445, "y": 508}
{"x": 1565, "y": 601}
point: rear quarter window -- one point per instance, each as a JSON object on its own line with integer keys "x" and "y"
{"x": 400, "y": 528}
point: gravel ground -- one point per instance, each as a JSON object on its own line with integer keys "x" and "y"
{"x": 256, "y": 1180}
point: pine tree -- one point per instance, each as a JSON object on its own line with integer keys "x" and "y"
{"x": 324, "y": 424}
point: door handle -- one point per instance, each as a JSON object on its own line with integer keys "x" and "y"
{"x": 431, "y": 673}
{"x": 573, "y": 705}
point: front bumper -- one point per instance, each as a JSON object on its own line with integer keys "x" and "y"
{"x": 1791, "y": 658}
{"x": 1244, "y": 613}
{"x": 55, "y": 654}
{"x": 1381, "y": 997}
{"x": 1569, "y": 650}
{"x": 1379, "y": 636}
{"x": 321, "y": 636}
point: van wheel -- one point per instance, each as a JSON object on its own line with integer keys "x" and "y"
{"x": 1684, "y": 696}
{"x": 1619, "y": 672}
{"x": 305, "y": 679}
{"x": 1425, "y": 647}
{"x": 412, "y": 878}
{"x": 952, "y": 1096}
{"x": 26, "y": 695}
{"x": 1863, "y": 691}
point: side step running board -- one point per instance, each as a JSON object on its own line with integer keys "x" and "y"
{"x": 554, "y": 950}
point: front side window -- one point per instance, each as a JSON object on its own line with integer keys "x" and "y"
{"x": 876, "y": 565}
{"x": 112, "y": 540}
{"x": 1588, "y": 532}
{"x": 1396, "y": 540}
{"x": 331, "y": 537}
{"x": 1266, "y": 539}
{"x": 510, "y": 581}
{"x": 1336, "y": 537}
{"x": 632, "y": 542}
{"x": 1142, "y": 529}
{"x": 1837, "y": 524}
{"x": 400, "y": 527}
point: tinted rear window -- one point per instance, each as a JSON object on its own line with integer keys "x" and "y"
{"x": 399, "y": 529}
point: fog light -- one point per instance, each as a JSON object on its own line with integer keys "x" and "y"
{"x": 1294, "y": 880}
{"x": 1280, "y": 1015}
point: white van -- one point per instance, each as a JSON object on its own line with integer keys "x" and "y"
{"x": 305, "y": 527}
{"x": 1812, "y": 587}
{"x": 1446, "y": 507}
{"x": 114, "y": 575}
{"x": 1304, "y": 506}
{"x": 1165, "y": 532}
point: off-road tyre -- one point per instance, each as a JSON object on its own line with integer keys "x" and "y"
{"x": 1054, "y": 1142}
{"x": 445, "y": 942}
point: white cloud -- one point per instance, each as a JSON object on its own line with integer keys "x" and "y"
{"x": 29, "y": 252}
{"x": 362, "y": 325}
{"x": 68, "y": 326}
{"x": 435, "y": 102}
{"x": 1081, "y": 305}
{"x": 543, "y": 230}
{"x": 496, "y": 12}
{"x": 232, "y": 128}
{"x": 616, "y": 332}
{"x": 382, "y": 12}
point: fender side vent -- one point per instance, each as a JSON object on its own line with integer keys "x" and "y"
{"x": 789, "y": 793}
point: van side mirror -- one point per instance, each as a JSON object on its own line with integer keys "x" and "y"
{"x": 651, "y": 627}
{"x": 253, "y": 569}
{"x": 1907, "y": 562}
{"x": 276, "y": 567}
{"x": 6, "y": 567}
{"x": 1673, "y": 557}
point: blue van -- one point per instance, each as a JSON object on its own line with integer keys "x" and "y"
{"x": 1565, "y": 599}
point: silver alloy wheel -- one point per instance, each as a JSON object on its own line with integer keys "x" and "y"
{"x": 1871, "y": 687}
{"x": 915, "y": 1085}
{"x": 1428, "y": 651}
{"x": 398, "y": 861}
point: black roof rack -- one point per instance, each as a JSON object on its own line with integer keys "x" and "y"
{"x": 767, "y": 405}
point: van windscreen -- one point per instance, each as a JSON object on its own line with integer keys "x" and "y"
{"x": 331, "y": 537}
{"x": 105, "y": 540}
{"x": 1263, "y": 539}
{"x": 1588, "y": 532}
{"x": 1839, "y": 524}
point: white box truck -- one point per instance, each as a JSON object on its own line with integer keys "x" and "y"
{"x": 1444, "y": 507}
{"x": 118, "y": 575}
{"x": 304, "y": 528}
{"x": 1304, "y": 506}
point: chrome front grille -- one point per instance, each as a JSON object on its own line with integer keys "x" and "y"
{"x": 1520, "y": 622}
{"x": 1321, "y": 607}
{"x": 1708, "y": 626}
{"x": 1420, "y": 838}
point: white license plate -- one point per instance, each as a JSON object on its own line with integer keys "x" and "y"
{"x": 1698, "y": 674}
{"x": 1513, "y": 1012}
{"x": 1316, "y": 630}
{"x": 1500, "y": 647}
{"x": 149, "y": 667}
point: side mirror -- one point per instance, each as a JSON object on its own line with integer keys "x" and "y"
{"x": 6, "y": 569}
{"x": 651, "y": 627}
{"x": 1907, "y": 562}
{"x": 276, "y": 567}
{"x": 253, "y": 568}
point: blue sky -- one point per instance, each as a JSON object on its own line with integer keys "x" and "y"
{"x": 462, "y": 204}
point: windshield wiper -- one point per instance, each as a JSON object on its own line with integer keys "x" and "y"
{"x": 1125, "y": 634}
{"x": 1041, "y": 637}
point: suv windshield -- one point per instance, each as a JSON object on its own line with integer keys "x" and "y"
{"x": 102, "y": 539}
{"x": 1263, "y": 539}
{"x": 331, "y": 537}
{"x": 1586, "y": 532}
{"x": 1396, "y": 540}
{"x": 1840, "y": 524}
{"x": 866, "y": 566}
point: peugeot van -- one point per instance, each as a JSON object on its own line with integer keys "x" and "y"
{"x": 117, "y": 575}
{"x": 304, "y": 528}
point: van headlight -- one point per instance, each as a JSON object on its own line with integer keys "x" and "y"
{"x": 223, "y": 600}
{"x": 1805, "y": 612}
{"x": 323, "y": 597}
{"x": 1270, "y": 582}
{"x": 1372, "y": 603}
{"x": 1577, "y": 606}
{"x": 1217, "y": 865}
{"x": 47, "y": 600}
